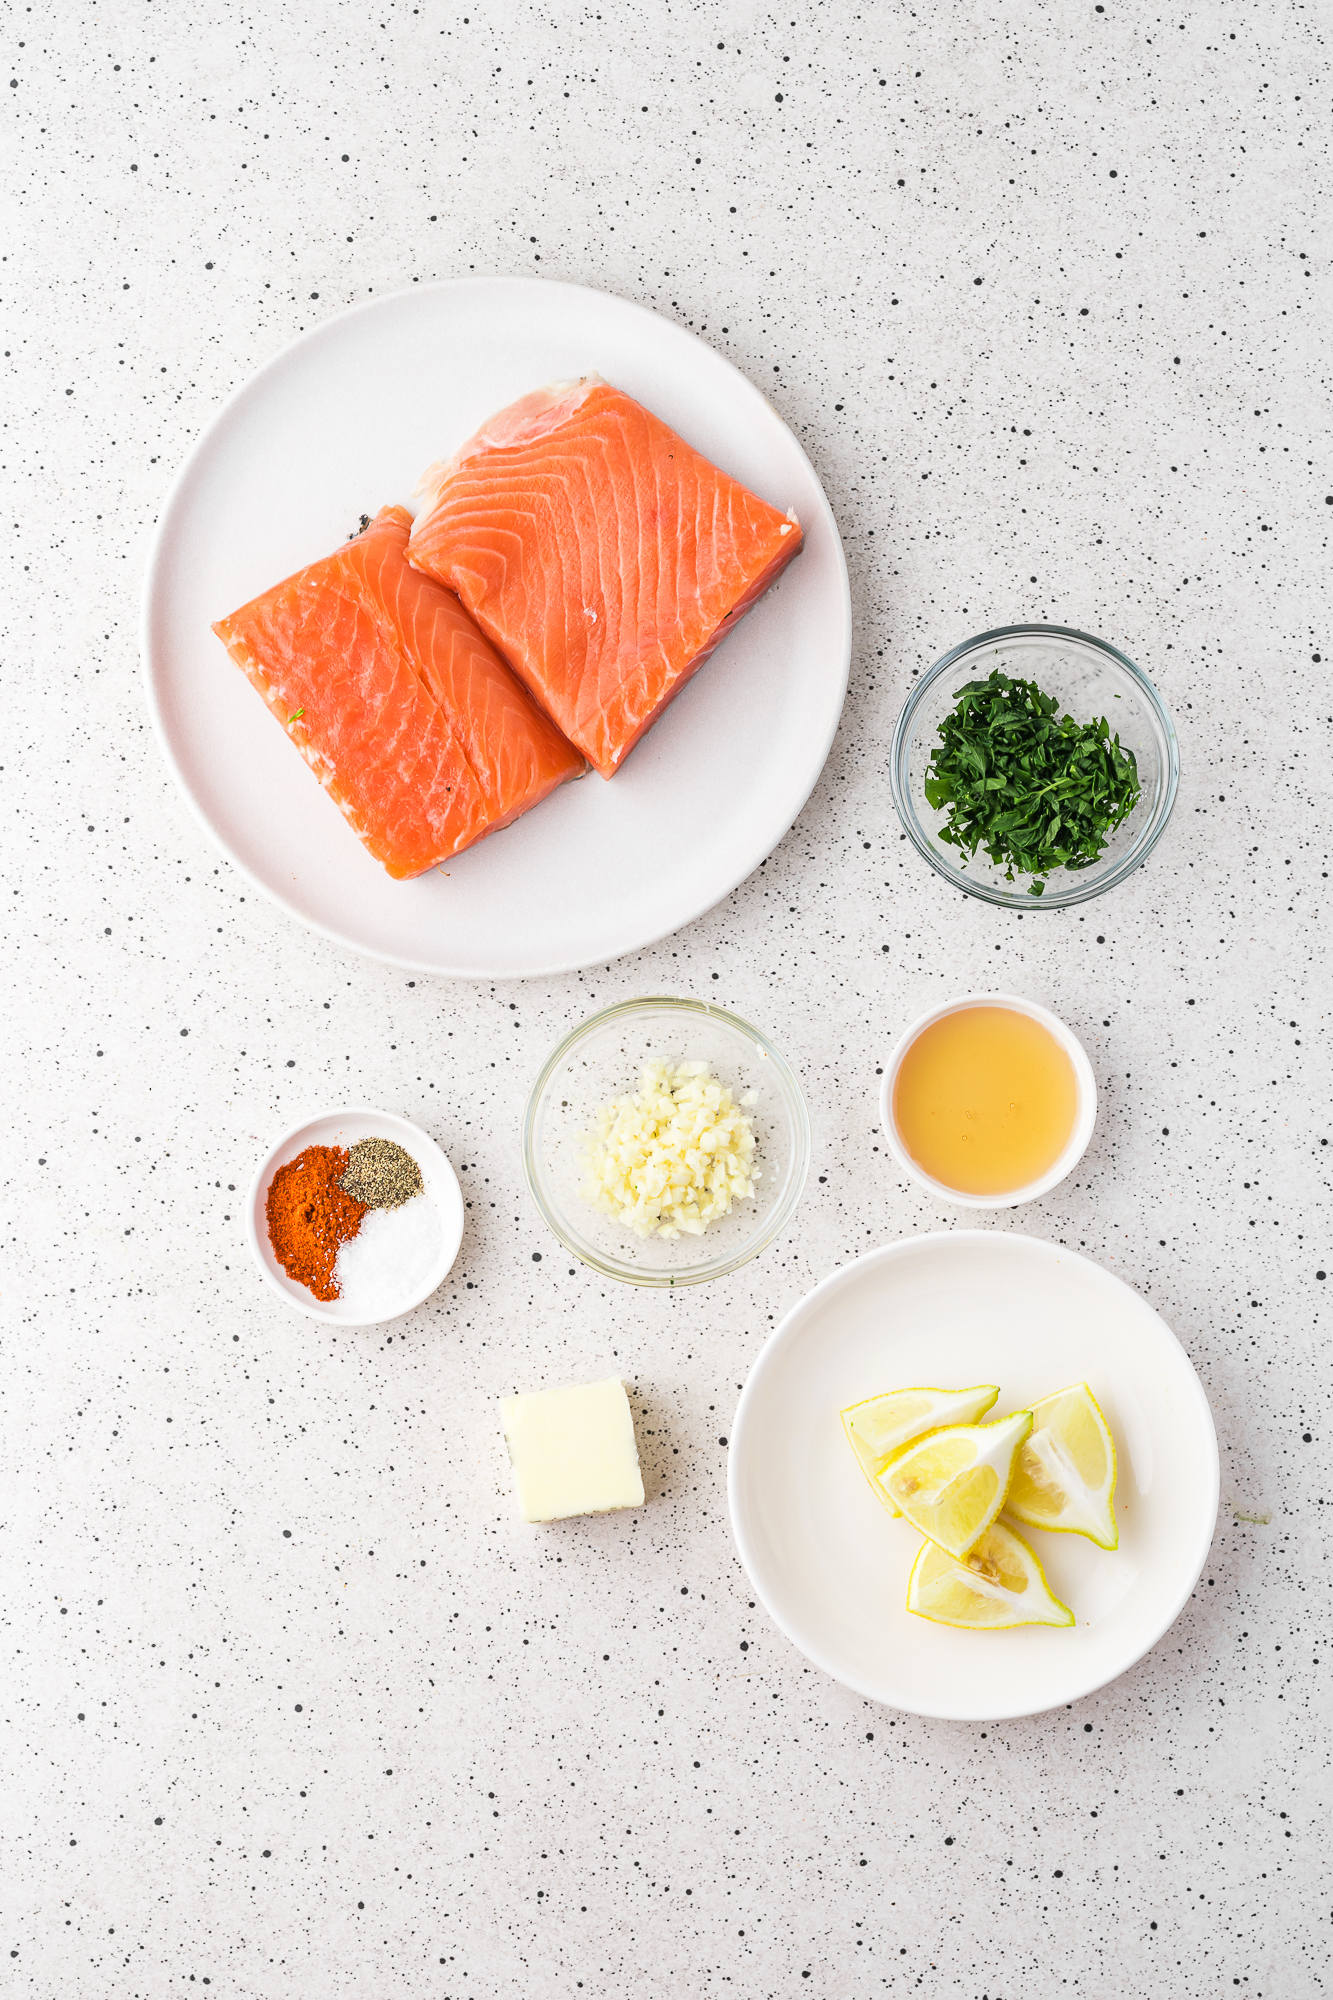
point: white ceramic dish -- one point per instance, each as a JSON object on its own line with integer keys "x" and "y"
{"x": 1085, "y": 1118}
{"x": 344, "y": 1128}
{"x": 831, "y": 1567}
{"x": 344, "y": 421}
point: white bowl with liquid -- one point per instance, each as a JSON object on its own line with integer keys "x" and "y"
{"x": 1085, "y": 1114}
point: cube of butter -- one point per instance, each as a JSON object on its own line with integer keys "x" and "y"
{"x": 573, "y": 1451}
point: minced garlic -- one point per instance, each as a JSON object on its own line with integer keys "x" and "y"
{"x": 672, "y": 1157}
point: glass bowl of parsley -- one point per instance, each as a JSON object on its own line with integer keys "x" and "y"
{"x": 1034, "y": 767}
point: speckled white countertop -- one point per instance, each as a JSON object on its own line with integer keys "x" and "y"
{"x": 293, "y": 1703}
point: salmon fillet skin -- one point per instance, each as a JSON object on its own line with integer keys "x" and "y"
{"x": 602, "y": 554}
{"x": 403, "y": 710}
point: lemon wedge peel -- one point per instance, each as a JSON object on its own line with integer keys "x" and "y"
{"x": 999, "y": 1585}
{"x": 952, "y": 1483}
{"x": 1064, "y": 1480}
{"x": 879, "y": 1428}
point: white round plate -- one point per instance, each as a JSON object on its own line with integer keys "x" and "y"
{"x": 343, "y": 422}
{"x": 345, "y": 1128}
{"x": 830, "y": 1566}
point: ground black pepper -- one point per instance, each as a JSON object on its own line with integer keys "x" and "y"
{"x": 380, "y": 1174}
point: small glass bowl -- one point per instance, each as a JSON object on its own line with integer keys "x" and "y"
{"x": 601, "y": 1060}
{"x": 1089, "y": 679}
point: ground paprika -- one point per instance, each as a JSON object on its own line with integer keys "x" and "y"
{"x": 309, "y": 1217}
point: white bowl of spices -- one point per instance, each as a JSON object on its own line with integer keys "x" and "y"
{"x": 355, "y": 1217}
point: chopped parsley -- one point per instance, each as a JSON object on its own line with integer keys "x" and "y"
{"x": 1035, "y": 793}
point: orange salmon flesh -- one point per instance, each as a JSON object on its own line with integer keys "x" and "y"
{"x": 602, "y": 555}
{"x": 403, "y": 710}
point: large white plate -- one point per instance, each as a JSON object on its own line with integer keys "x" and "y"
{"x": 828, "y": 1563}
{"x": 343, "y": 422}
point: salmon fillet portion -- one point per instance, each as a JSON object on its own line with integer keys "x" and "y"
{"x": 602, "y": 554}
{"x": 403, "y": 710}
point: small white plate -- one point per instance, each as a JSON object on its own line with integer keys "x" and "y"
{"x": 830, "y": 1566}
{"x": 344, "y": 1128}
{"x": 345, "y": 421}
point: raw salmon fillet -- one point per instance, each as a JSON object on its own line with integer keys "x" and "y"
{"x": 604, "y": 556}
{"x": 402, "y": 709}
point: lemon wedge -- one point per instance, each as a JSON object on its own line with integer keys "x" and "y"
{"x": 998, "y": 1584}
{"x": 953, "y": 1482}
{"x": 1065, "y": 1477}
{"x": 882, "y": 1426}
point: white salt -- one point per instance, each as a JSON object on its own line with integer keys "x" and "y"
{"x": 390, "y": 1258}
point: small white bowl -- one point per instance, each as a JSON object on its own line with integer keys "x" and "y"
{"x": 344, "y": 1128}
{"x": 1084, "y": 1120}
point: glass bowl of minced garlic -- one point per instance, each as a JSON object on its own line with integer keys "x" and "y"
{"x": 666, "y": 1141}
